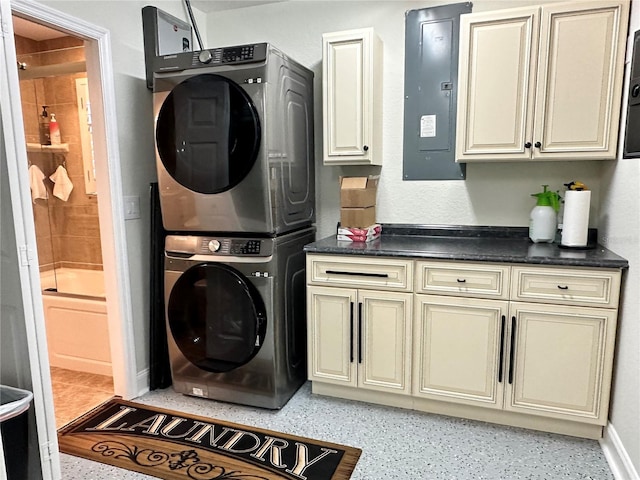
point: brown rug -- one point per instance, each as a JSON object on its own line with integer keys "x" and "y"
{"x": 173, "y": 445}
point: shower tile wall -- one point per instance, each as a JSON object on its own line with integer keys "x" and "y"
{"x": 68, "y": 232}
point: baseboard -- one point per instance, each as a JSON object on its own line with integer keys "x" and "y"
{"x": 142, "y": 382}
{"x": 616, "y": 455}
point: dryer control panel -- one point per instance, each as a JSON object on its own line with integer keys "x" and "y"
{"x": 236, "y": 55}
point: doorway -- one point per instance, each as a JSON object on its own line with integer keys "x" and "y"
{"x": 108, "y": 188}
{"x": 54, "y": 90}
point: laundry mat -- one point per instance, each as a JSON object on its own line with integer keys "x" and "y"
{"x": 172, "y": 445}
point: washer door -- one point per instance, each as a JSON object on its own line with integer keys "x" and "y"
{"x": 216, "y": 317}
{"x": 208, "y": 134}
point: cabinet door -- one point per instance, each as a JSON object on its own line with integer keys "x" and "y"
{"x": 497, "y": 81}
{"x": 459, "y": 350}
{"x": 581, "y": 64}
{"x": 348, "y": 97}
{"x": 560, "y": 361}
{"x": 330, "y": 335}
{"x": 384, "y": 341}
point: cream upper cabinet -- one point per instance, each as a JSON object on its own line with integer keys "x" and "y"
{"x": 352, "y": 97}
{"x": 560, "y": 361}
{"x": 541, "y": 83}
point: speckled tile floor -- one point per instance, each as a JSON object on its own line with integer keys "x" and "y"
{"x": 396, "y": 443}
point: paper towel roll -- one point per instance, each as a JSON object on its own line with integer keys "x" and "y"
{"x": 575, "y": 224}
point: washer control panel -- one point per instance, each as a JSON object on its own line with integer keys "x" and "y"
{"x": 189, "y": 245}
{"x": 245, "y": 247}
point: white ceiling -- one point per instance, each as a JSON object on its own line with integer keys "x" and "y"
{"x": 37, "y": 32}
{"x": 208, "y": 6}
{"x": 34, "y": 31}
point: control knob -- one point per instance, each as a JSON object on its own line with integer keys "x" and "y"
{"x": 205, "y": 56}
{"x": 214, "y": 245}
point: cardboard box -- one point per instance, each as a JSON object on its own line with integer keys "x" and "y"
{"x": 357, "y": 217}
{"x": 358, "y": 192}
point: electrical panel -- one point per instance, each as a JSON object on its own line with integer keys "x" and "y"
{"x": 431, "y": 89}
{"x": 632, "y": 136}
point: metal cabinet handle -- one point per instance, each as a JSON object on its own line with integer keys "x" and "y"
{"x": 351, "y": 334}
{"x": 513, "y": 348}
{"x": 563, "y": 287}
{"x": 527, "y": 145}
{"x": 360, "y": 332}
{"x": 537, "y": 145}
{"x": 461, "y": 280}
{"x": 365, "y": 148}
{"x": 501, "y": 364}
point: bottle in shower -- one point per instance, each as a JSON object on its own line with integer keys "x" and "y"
{"x": 54, "y": 130}
{"x": 43, "y": 125}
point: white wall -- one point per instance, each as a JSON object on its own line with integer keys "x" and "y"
{"x": 493, "y": 194}
{"x": 619, "y": 230}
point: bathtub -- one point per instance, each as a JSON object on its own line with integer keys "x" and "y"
{"x": 76, "y": 320}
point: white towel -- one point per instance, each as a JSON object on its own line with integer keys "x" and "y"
{"x": 38, "y": 188}
{"x": 63, "y": 186}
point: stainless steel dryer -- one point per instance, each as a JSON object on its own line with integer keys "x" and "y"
{"x": 234, "y": 141}
{"x": 236, "y": 316}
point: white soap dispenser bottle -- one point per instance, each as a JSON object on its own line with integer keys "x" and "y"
{"x": 54, "y": 130}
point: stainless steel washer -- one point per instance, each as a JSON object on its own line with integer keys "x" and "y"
{"x": 234, "y": 141}
{"x": 236, "y": 316}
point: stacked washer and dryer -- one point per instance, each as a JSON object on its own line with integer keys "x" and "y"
{"x": 234, "y": 155}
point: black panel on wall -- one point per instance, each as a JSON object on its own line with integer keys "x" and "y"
{"x": 159, "y": 367}
{"x": 431, "y": 91}
{"x": 632, "y": 137}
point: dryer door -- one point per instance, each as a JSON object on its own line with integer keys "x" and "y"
{"x": 216, "y": 317}
{"x": 208, "y": 133}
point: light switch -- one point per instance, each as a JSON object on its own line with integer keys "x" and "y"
{"x": 131, "y": 208}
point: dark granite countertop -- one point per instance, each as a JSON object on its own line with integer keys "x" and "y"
{"x": 470, "y": 243}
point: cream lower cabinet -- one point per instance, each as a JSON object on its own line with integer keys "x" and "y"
{"x": 552, "y": 359}
{"x": 530, "y": 346}
{"x": 458, "y": 350}
{"x": 560, "y": 361}
{"x": 360, "y": 338}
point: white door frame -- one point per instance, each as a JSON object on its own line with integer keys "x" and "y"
{"x": 110, "y": 209}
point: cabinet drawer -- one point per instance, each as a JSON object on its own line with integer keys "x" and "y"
{"x": 463, "y": 279}
{"x": 360, "y": 272}
{"x": 566, "y": 286}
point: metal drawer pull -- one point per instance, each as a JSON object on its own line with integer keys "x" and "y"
{"x": 563, "y": 287}
{"x": 358, "y": 274}
{"x": 461, "y": 280}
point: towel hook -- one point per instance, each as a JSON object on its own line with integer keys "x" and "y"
{"x": 64, "y": 160}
